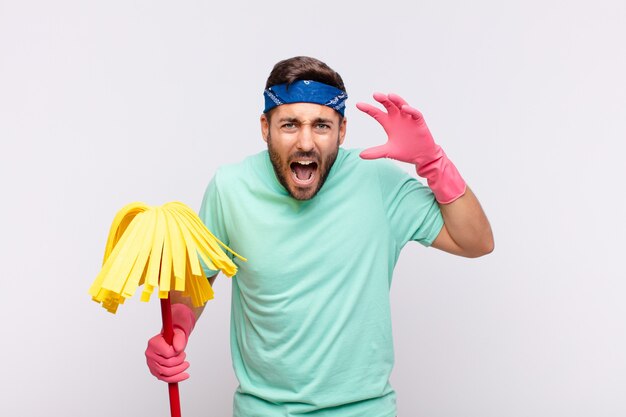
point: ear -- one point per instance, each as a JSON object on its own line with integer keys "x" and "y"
{"x": 265, "y": 127}
{"x": 342, "y": 130}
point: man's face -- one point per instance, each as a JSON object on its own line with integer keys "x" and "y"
{"x": 303, "y": 140}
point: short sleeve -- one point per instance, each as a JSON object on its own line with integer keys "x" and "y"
{"x": 212, "y": 215}
{"x": 411, "y": 208}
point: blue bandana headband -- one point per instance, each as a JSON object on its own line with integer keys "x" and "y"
{"x": 305, "y": 91}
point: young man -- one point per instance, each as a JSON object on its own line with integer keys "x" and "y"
{"x": 322, "y": 228}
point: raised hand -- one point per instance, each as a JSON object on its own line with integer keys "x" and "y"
{"x": 409, "y": 140}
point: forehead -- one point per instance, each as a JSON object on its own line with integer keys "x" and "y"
{"x": 304, "y": 112}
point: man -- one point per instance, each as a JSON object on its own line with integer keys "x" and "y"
{"x": 322, "y": 228}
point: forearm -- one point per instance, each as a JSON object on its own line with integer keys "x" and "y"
{"x": 467, "y": 226}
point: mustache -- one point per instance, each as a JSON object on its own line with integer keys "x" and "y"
{"x": 305, "y": 155}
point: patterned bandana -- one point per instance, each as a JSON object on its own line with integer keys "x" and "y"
{"x": 305, "y": 91}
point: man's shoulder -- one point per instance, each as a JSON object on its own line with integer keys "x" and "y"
{"x": 236, "y": 171}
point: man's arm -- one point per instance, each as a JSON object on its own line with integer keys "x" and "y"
{"x": 466, "y": 230}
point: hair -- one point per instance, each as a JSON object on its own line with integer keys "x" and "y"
{"x": 299, "y": 68}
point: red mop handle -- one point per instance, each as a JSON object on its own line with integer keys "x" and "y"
{"x": 168, "y": 335}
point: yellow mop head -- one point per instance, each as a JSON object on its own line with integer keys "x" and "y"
{"x": 159, "y": 247}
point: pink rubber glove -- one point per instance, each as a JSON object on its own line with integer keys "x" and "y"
{"x": 166, "y": 362}
{"x": 409, "y": 140}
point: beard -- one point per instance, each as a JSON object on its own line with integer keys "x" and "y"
{"x": 282, "y": 169}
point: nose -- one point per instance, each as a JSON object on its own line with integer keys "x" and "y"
{"x": 305, "y": 139}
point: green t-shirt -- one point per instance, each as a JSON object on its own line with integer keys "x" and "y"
{"x": 310, "y": 318}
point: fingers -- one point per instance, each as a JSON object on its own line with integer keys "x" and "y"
{"x": 168, "y": 367}
{"x": 397, "y": 100}
{"x": 159, "y": 346}
{"x": 175, "y": 379}
{"x": 383, "y": 99}
{"x": 394, "y": 105}
{"x": 168, "y": 373}
{"x": 172, "y": 362}
{"x": 375, "y": 112}
{"x": 414, "y": 113}
{"x": 404, "y": 107}
{"x": 164, "y": 362}
{"x": 375, "y": 152}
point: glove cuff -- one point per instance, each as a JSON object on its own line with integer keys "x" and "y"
{"x": 443, "y": 178}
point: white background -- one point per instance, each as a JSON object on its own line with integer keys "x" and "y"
{"x": 104, "y": 103}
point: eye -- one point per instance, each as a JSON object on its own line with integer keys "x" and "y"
{"x": 322, "y": 126}
{"x": 288, "y": 126}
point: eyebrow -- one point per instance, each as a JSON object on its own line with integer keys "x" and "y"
{"x": 296, "y": 120}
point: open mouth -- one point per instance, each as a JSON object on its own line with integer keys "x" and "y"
{"x": 303, "y": 172}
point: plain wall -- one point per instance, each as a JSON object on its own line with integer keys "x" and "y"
{"x": 104, "y": 103}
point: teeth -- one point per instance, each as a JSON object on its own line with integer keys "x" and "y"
{"x": 304, "y": 162}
